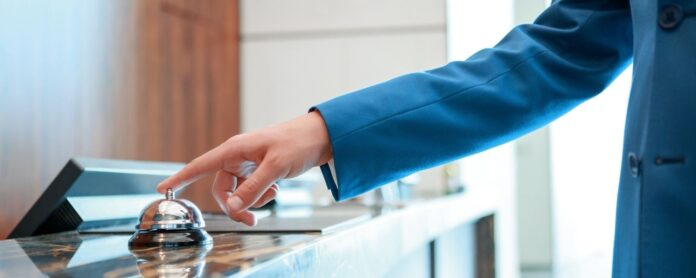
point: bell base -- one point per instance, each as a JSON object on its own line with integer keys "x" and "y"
{"x": 169, "y": 238}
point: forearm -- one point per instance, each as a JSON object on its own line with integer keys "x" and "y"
{"x": 534, "y": 75}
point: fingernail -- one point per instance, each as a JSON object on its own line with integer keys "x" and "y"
{"x": 234, "y": 203}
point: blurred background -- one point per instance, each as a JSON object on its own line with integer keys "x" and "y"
{"x": 169, "y": 79}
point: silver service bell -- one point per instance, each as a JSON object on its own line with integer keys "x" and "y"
{"x": 170, "y": 222}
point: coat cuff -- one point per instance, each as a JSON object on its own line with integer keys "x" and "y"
{"x": 328, "y": 170}
{"x": 331, "y": 181}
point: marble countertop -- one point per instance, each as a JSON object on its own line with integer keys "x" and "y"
{"x": 369, "y": 247}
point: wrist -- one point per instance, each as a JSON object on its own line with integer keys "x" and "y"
{"x": 324, "y": 142}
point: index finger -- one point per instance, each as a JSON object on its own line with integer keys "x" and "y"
{"x": 204, "y": 165}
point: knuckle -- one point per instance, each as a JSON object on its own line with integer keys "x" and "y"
{"x": 191, "y": 168}
{"x": 264, "y": 137}
{"x": 251, "y": 185}
{"x": 246, "y": 195}
{"x": 234, "y": 139}
{"x": 274, "y": 161}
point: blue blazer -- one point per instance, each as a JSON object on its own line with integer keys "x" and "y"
{"x": 535, "y": 74}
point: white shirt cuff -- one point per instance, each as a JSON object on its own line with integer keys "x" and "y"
{"x": 333, "y": 172}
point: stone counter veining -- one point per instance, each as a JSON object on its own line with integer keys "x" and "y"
{"x": 367, "y": 248}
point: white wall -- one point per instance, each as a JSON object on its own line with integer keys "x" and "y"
{"x": 534, "y": 202}
{"x": 298, "y": 53}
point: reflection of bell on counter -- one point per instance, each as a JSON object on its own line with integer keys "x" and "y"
{"x": 170, "y": 223}
{"x": 164, "y": 262}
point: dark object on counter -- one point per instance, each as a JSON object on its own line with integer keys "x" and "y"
{"x": 89, "y": 193}
{"x": 170, "y": 222}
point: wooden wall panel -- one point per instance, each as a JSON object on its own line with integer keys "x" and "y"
{"x": 147, "y": 80}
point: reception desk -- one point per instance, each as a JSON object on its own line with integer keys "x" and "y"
{"x": 433, "y": 238}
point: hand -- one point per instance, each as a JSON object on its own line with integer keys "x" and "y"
{"x": 247, "y": 166}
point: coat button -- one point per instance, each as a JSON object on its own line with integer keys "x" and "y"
{"x": 634, "y": 164}
{"x": 670, "y": 16}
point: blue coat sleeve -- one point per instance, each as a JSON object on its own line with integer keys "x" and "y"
{"x": 537, "y": 73}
